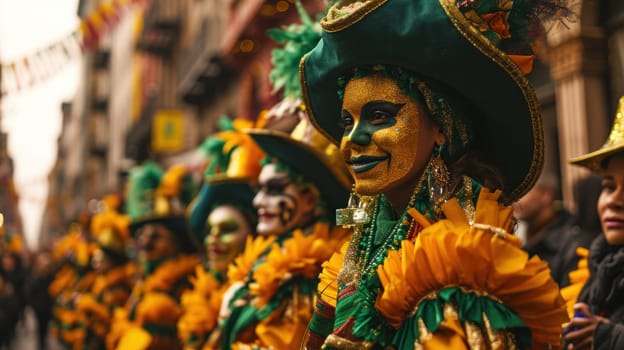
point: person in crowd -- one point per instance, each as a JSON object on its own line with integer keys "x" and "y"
{"x": 442, "y": 132}
{"x": 15, "y": 271}
{"x": 167, "y": 256}
{"x": 272, "y": 283}
{"x": 9, "y": 311}
{"x": 598, "y": 321}
{"x": 222, "y": 217}
{"x": 552, "y": 232}
{"x": 586, "y": 191}
{"x": 74, "y": 277}
{"x": 114, "y": 280}
{"x": 37, "y": 296}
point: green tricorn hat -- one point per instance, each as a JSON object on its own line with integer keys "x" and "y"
{"x": 161, "y": 197}
{"x": 453, "y": 43}
{"x": 312, "y": 155}
{"x": 216, "y": 191}
{"x": 596, "y": 160}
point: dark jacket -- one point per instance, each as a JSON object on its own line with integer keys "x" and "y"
{"x": 604, "y": 293}
{"x": 556, "y": 244}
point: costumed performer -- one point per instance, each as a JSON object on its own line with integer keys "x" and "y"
{"x": 424, "y": 99}
{"x": 114, "y": 273}
{"x": 75, "y": 276}
{"x": 167, "y": 257}
{"x": 222, "y": 217}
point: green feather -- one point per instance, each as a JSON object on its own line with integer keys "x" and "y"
{"x": 296, "y": 40}
{"x": 224, "y": 123}
{"x": 142, "y": 182}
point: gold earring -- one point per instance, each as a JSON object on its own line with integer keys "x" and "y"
{"x": 439, "y": 179}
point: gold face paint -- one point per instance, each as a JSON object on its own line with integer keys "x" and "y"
{"x": 228, "y": 230}
{"x": 388, "y": 137}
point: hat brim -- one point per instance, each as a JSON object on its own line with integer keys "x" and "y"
{"x": 307, "y": 161}
{"x": 218, "y": 191}
{"x": 433, "y": 39}
{"x": 596, "y": 160}
{"x": 177, "y": 224}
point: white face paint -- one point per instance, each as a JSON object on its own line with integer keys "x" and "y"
{"x": 282, "y": 206}
{"x": 228, "y": 230}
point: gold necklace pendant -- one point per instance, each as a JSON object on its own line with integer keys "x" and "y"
{"x": 356, "y": 212}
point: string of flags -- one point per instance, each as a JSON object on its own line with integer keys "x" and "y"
{"x": 39, "y": 66}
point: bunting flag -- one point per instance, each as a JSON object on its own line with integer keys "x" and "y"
{"x": 39, "y": 66}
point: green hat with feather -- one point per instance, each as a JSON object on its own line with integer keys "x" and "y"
{"x": 233, "y": 167}
{"x": 304, "y": 149}
{"x": 478, "y": 50}
{"x": 155, "y": 196}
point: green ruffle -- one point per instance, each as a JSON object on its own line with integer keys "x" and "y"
{"x": 470, "y": 308}
{"x": 247, "y": 315}
{"x": 369, "y": 324}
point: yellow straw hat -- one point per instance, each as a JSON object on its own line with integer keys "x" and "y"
{"x": 614, "y": 144}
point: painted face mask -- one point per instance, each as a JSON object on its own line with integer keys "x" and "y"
{"x": 228, "y": 230}
{"x": 156, "y": 242}
{"x": 282, "y": 205}
{"x": 388, "y": 137}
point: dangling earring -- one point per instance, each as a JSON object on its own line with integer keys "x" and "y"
{"x": 439, "y": 179}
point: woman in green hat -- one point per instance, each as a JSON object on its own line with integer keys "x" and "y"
{"x": 441, "y": 131}
{"x": 223, "y": 218}
{"x": 598, "y": 321}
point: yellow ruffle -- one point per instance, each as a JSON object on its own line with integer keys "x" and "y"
{"x": 118, "y": 275}
{"x": 286, "y": 326}
{"x": 200, "y": 306}
{"x": 119, "y": 326}
{"x": 299, "y": 255}
{"x": 91, "y": 308}
{"x": 578, "y": 278}
{"x": 65, "y": 278}
{"x": 481, "y": 258}
{"x": 135, "y": 338}
{"x": 158, "y": 308}
{"x": 328, "y": 285}
{"x": 170, "y": 272}
{"x": 239, "y": 270}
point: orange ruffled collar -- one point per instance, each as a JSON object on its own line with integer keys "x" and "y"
{"x": 498, "y": 268}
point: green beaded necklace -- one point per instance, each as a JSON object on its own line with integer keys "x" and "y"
{"x": 369, "y": 324}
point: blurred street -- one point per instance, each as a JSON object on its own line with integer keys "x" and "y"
{"x": 26, "y": 335}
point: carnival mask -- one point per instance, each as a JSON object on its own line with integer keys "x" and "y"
{"x": 388, "y": 137}
{"x": 282, "y": 205}
{"x": 156, "y": 242}
{"x": 228, "y": 229}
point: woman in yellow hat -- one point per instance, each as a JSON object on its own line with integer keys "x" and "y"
{"x": 598, "y": 321}
{"x": 441, "y": 131}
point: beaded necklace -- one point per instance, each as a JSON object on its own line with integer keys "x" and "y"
{"x": 369, "y": 324}
{"x": 393, "y": 240}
